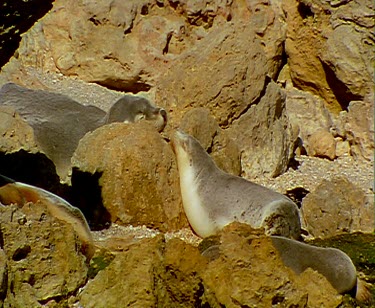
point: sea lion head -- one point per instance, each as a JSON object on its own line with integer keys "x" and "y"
{"x": 189, "y": 151}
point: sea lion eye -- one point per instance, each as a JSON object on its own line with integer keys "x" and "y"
{"x": 140, "y": 116}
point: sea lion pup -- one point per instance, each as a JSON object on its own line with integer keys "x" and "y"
{"x": 332, "y": 263}
{"x": 130, "y": 109}
{"x": 12, "y": 192}
{"x": 213, "y": 199}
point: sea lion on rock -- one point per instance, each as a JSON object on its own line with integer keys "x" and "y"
{"x": 12, "y": 192}
{"x": 59, "y": 122}
{"x": 332, "y": 263}
{"x": 131, "y": 109}
{"x": 213, "y": 199}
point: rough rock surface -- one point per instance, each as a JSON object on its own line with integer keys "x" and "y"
{"x": 321, "y": 61}
{"x": 265, "y": 136}
{"x": 337, "y": 206}
{"x": 17, "y": 17}
{"x": 44, "y": 262}
{"x": 199, "y": 123}
{"x": 322, "y": 144}
{"x": 138, "y": 175}
{"x": 15, "y": 133}
{"x": 247, "y": 272}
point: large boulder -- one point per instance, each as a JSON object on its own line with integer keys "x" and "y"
{"x": 337, "y": 206}
{"x": 137, "y": 175}
{"x": 44, "y": 262}
{"x": 329, "y": 49}
{"x": 265, "y": 136}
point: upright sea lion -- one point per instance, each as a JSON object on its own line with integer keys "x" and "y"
{"x": 59, "y": 122}
{"x": 12, "y": 192}
{"x": 212, "y": 198}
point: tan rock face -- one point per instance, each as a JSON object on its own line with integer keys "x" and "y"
{"x": 265, "y": 135}
{"x": 128, "y": 280}
{"x": 15, "y": 133}
{"x": 139, "y": 178}
{"x": 247, "y": 271}
{"x": 224, "y": 150}
{"x": 321, "y": 61}
{"x": 43, "y": 258}
{"x": 322, "y": 144}
{"x": 336, "y": 207}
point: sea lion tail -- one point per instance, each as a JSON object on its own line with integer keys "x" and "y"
{"x": 363, "y": 293}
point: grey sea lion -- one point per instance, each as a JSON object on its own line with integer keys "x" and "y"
{"x": 60, "y": 122}
{"x": 335, "y": 265}
{"x": 213, "y": 199}
{"x": 12, "y": 192}
{"x": 332, "y": 263}
{"x": 130, "y": 109}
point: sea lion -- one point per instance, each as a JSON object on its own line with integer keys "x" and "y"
{"x": 213, "y": 199}
{"x": 332, "y": 263}
{"x": 59, "y": 122}
{"x": 12, "y": 192}
{"x": 130, "y": 109}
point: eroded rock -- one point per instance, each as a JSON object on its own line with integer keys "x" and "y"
{"x": 337, "y": 206}
{"x": 138, "y": 175}
{"x": 43, "y": 256}
{"x": 265, "y": 136}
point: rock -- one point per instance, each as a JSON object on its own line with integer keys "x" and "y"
{"x": 182, "y": 279}
{"x": 137, "y": 173}
{"x": 43, "y": 258}
{"x": 308, "y": 113}
{"x": 249, "y": 265}
{"x": 360, "y": 129}
{"x": 322, "y": 144}
{"x": 265, "y": 136}
{"x": 337, "y": 206}
{"x": 3, "y": 275}
{"x": 15, "y": 133}
{"x": 342, "y": 147}
{"x": 129, "y": 279}
{"x": 200, "y": 124}
{"x": 336, "y": 71}
{"x": 16, "y": 18}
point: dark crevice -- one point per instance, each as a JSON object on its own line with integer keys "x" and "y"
{"x": 297, "y": 194}
{"x": 144, "y": 10}
{"x": 133, "y": 88}
{"x": 342, "y": 93}
{"x": 169, "y": 37}
{"x": 21, "y": 253}
{"x": 33, "y": 169}
{"x": 16, "y": 17}
{"x": 283, "y": 61}
{"x": 87, "y": 196}
{"x": 304, "y": 10}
